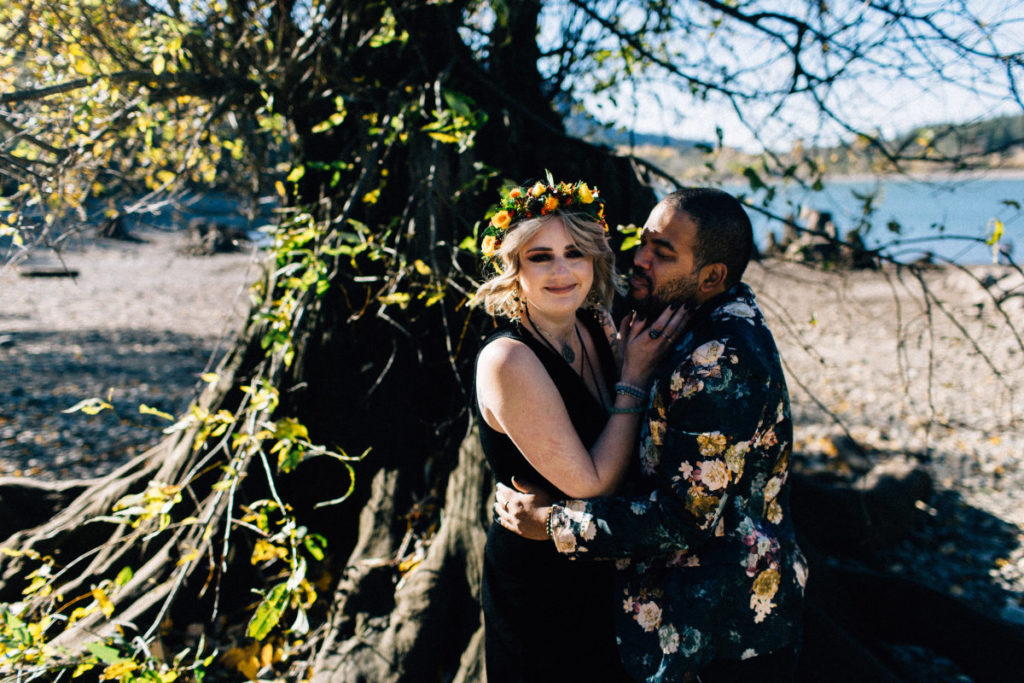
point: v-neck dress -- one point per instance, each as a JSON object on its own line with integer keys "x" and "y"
{"x": 547, "y": 618}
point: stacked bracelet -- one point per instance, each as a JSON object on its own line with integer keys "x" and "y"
{"x": 630, "y": 390}
{"x": 547, "y": 521}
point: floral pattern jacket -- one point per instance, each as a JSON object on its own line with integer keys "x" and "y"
{"x": 708, "y": 564}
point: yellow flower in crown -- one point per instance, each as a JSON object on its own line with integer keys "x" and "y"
{"x": 538, "y": 189}
{"x": 489, "y": 246}
{"x": 550, "y": 204}
{"x": 501, "y": 220}
{"x": 586, "y": 196}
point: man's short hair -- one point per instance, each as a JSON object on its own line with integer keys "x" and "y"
{"x": 724, "y": 234}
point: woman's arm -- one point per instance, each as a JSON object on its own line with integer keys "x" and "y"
{"x": 518, "y": 397}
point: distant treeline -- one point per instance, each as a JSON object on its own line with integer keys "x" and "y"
{"x": 994, "y": 135}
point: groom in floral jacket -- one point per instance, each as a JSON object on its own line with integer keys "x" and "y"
{"x": 710, "y": 578}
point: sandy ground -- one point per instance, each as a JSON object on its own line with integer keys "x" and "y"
{"x": 137, "y": 325}
{"x": 937, "y": 379}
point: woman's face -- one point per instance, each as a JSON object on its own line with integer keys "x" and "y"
{"x": 554, "y": 275}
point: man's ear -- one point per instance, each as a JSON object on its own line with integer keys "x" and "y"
{"x": 711, "y": 279}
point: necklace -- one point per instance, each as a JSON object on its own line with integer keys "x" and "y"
{"x": 567, "y": 353}
{"x": 584, "y": 366}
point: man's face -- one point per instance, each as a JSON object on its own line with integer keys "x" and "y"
{"x": 665, "y": 268}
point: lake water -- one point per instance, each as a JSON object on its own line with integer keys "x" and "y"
{"x": 934, "y": 215}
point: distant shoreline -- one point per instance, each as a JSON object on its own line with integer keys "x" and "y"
{"x": 933, "y": 176}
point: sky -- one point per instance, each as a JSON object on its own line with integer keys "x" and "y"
{"x": 870, "y": 98}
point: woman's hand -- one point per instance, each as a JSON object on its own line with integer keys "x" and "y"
{"x": 522, "y": 510}
{"x": 644, "y": 343}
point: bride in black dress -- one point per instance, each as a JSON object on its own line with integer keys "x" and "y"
{"x": 559, "y": 392}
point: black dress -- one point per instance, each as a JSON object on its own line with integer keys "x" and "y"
{"x": 547, "y": 618}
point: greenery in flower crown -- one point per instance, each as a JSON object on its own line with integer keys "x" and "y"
{"x": 521, "y": 203}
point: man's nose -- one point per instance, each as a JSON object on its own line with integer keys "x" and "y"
{"x": 642, "y": 257}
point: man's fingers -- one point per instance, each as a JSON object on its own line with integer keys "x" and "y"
{"x": 679, "y": 317}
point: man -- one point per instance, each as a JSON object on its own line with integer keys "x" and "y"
{"x": 710, "y": 577}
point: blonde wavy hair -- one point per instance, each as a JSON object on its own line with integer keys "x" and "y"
{"x": 497, "y": 296}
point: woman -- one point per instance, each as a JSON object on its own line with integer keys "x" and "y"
{"x": 560, "y": 408}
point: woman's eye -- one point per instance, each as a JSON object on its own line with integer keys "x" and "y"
{"x": 538, "y": 258}
{"x": 574, "y": 253}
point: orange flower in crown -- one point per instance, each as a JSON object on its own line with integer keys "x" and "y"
{"x": 522, "y": 203}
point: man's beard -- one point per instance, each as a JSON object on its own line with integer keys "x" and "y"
{"x": 682, "y": 290}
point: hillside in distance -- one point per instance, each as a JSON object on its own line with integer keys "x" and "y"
{"x": 990, "y": 144}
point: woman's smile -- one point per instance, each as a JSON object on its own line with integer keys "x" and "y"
{"x": 561, "y": 289}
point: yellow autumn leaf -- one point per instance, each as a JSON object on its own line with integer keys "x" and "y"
{"x": 82, "y": 668}
{"x": 421, "y": 267}
{"x": 249, "y": 667}
{"x": 89, "y": 406}
{"x": 400, "y": 298}
{"x": 146, "y": 410}
{"x": 159, "y": 64}
{"x": 372, "y": 196}
{"x": 106, "y": 606}
{"x": 997, "y": 231}
{"x": 188, "y": 557}
{"x": 443, "y": 137}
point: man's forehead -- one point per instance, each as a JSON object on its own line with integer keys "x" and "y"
{"x": 666, "y": 224}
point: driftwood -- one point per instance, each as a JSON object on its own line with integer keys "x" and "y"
{"x": 821, "y": 242}
{"x": 205, "y": 238}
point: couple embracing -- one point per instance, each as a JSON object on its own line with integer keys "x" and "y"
{"x": 642, "y": 528}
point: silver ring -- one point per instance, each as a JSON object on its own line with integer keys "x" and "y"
{"x": 654, "y": 333}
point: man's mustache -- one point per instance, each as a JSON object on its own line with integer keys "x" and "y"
{"x": 640, "y": 276}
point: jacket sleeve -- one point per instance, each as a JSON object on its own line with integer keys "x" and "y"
{"x": 703, "y": 423}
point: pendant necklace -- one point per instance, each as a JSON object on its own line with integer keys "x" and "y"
{"x": 567, "y": 353}
{"x": 585, "y": 365}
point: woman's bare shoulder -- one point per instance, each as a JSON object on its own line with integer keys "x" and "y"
{"x": 507, "y": 355}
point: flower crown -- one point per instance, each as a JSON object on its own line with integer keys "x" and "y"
{"x": 521, "y": 203}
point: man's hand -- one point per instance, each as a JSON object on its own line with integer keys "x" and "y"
{"x": 524, "y": 511}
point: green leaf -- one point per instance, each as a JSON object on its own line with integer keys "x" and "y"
{"x": 124, "y": 576}
{"x": 269, "y": 612}
{"x": 105, "y": 653}
{"x": 315, "y": 545}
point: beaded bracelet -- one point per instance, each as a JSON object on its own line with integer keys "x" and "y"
{"x": 620, "y": 411}
{"x": 630, "y": 390}
{"x": 547, "y": 521}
